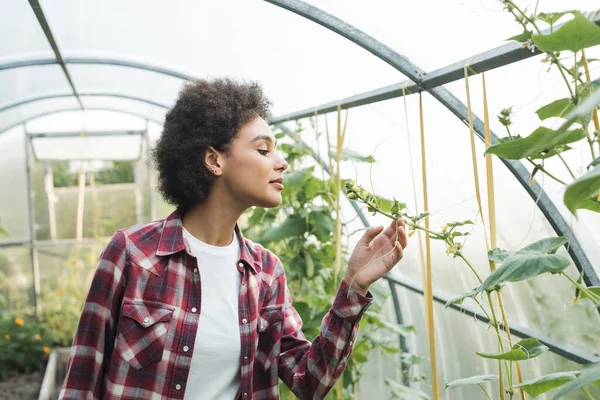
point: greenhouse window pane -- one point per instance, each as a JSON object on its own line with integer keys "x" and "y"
{"x": 27, "y": 82}
{"x": 13, "y": 201}
{"x": 89, "y": 120}
{"x": 299, "y": 63}
{"x": 137, "y": 108}
{"x": 20, "y": 34}
{"x": 87, "y": 148}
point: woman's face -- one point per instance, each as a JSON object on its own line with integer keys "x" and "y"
{"x": 253, "y": 171}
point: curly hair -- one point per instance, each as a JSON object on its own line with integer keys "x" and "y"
{"x": 206, "y": 113}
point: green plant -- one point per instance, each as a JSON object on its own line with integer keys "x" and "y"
{"x": 301, "y": 233}
{"x": 24, "y": 345}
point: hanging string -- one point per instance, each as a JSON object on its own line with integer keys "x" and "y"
{"x": 427, "y": 286}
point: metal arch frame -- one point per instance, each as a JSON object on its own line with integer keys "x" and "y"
{"x": 117, "y": 62}
{"x": 84, "y": 94}
{"x": 443, "y": 95}
{"x": 69, "y": 109}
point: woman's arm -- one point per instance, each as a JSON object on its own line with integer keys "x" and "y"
{"x": 94, "y": 338}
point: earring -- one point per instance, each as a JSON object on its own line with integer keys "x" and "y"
{"x": 214, "y": 170}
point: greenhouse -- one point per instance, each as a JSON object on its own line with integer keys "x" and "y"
{"x": 475, "y": 122}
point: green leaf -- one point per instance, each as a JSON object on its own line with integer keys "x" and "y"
{"x": 393, "y": 327}
{"x": 592, "y": 164}
{"x": 289, "y": 228}
{"x": 348, "y": 154}
{"x": 522, "y": 37}
{"x": 593, "y": 289}
{"x": 399, "y": 391}
{"x": 523, "y": 350}
{"x": 455, "y": 224}
{"x": 542, "y": 139}
{"x": 321, "y": 224}
{"x": 530, "y": 261}
{"x": 498, "y": 255}
{"x": 551, "y": 18}
{"x": 473, "y": 380}
{"x": 542, "y": 384}
{"x": 462, "y": 297}
{"x": 298, "y": 178}
{"x": 559, "y": 108}
{"x": 591, "y": 204}
{"x": 589, "y": 374}
{"x": 582, "y": 189}
{"x": 3, "y": 231}
{"x": 412, "y": 359}
{"x": 575, "y": 35}
{"x": 547, "y": 154}
{"x": 582, "y": 111}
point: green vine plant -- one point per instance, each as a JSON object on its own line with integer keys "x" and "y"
{"x": 577, "y": 111}
{"x": 301, "y": 233}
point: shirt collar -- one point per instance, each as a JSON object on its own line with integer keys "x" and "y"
{"x": 171, "y": 242}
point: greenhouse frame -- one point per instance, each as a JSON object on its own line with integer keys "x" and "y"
{"x": 48, "y": 76}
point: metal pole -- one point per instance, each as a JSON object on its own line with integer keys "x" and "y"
{"x": 35, "y": 264}
{"x": 150, "y": 187}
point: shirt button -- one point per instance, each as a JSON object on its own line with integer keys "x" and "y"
{"x": 177, "y": 387}
{"x": 244, "y": 321}
{"x": 195, "y": 270}
{"x": 240, "y": 264}
{"x": 351, "y": 342}
{"x": 245, "y": 358}
{"x": 185, "y": 348}
{"x": 245, "y": 394}
{"x": 194, "y": 309}
{"x": 146, "y": 320}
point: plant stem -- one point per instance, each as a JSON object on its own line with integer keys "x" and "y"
{"x": 482, "y": 308}
{"x": 587, "y": 393}
{"x": 485, "y": 391}
{"x": 460, "y": 254}
{"x": 566, "y": 165}
{"x": 500, "y": 344}
{"x": 595, "y": 298}
{"x": 541, "y": 168}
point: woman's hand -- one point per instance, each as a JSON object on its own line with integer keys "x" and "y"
{"x": 375, "y": 254}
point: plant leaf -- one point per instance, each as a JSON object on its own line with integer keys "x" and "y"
{"x": 399, "y": 391}
{"x": 530, "y": 261}
{"x": 3, "y": 231}
{"x": 559, "y": 108}
{"x": 462, "y": 297}
{"x": 583, "y": 110}
{"x": 522, "y": 37}
{"x": 523, "y": 350}
{"x": 498, "y": 255}
{"x": 310, "y": 265}
{"x": 551, "y": 153}
{"x": 348, "y": 154}
{"x": 593, "y": 289}
{"x": 582, "y": 189}
{"x": 455, "y": 224}
{"x": 289, "y": 228}
{"x": 589, "y": 374}
{"x": 592, "y": 164}
{"x": 551, "y": 18}
{"x": 298, "y": 178}
{"x": 575, "y": 35}
{"x": 542, "y": 384}
{"x": 473, "y": 380}
{"x": 542, "y": 139}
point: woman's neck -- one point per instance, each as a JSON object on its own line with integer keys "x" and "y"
{"x": 212, "y": 221}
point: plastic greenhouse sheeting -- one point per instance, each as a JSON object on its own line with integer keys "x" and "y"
{"x": 128, "y": 61}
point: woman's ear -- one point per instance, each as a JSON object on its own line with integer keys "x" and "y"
{"x": 213, "y": 160}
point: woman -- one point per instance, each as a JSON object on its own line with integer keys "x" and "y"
{"x": 186, "y": 307}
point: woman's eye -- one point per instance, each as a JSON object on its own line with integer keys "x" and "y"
{"x": 263, "y": 152}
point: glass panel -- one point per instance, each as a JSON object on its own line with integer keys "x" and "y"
{"x": 13, "y": 202}
{"x": 77, "y": 121}
{"x": 21, "y": 34}
{"x": 27, "y": 82}
{"x": 299, "y": 63}
{"x": 19, "y": 115}
{"x": 16, "y": 282}
{"x": 126, "y": 147}
{"x": 458, "y": 337}
{"x": 435, "y": 33}
{"x": 137, "y": 108}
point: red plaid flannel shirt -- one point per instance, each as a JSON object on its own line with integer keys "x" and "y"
{"x": 143, "y": 308}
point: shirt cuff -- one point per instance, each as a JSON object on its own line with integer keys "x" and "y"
{"x": 350, "y": 305}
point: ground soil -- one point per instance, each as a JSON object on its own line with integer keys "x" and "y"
{"x": 22, "y": 387}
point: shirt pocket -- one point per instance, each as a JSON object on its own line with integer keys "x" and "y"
{"x": 270, "y": 323}
{"x": 142, "y": 332}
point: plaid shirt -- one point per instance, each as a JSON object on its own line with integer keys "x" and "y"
{"x": 137, "y": 330}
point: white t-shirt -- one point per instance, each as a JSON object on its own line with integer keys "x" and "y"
{"x": 215, "y": 369}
